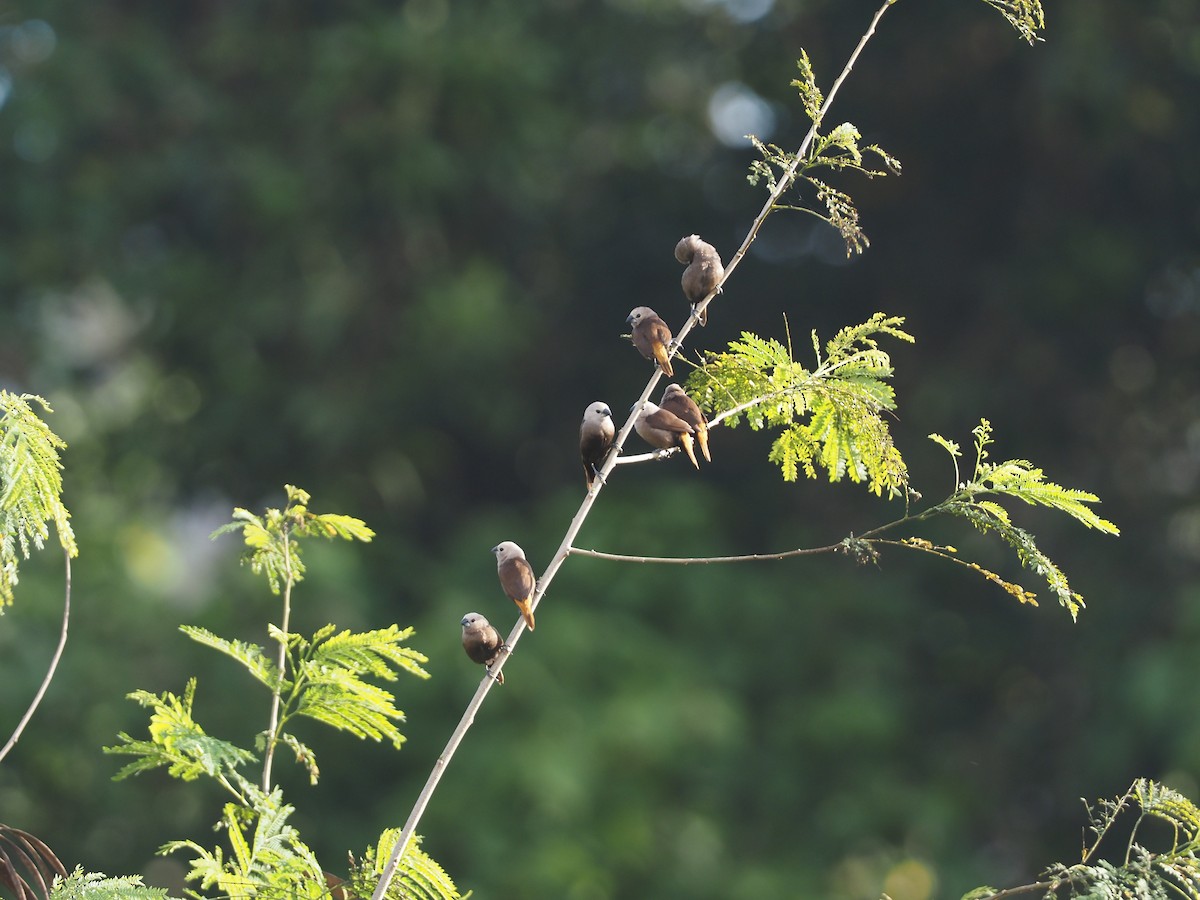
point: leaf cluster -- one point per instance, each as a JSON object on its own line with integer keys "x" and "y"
{"x": 30, "y": 487}
{"x": 829, "y": 417}
{"x": 80, "y": 885}
{"x": 331, "y": 677}
{"x": 270, "y": 544}
{"x": 1026, "y": 16}
{"x": 418, "y": 876}
{"x": 1020, "y": 480}
{"x": 1172, "y": 870}
{"x": 267, "y": 857}
{"x": 838, "y": 150}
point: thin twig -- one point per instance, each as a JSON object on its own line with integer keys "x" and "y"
{"x": 652, "y": 456}
{"x": 564, "y": 548}
{"x": 58, "y": 652}
{"x": 702, "y": 560}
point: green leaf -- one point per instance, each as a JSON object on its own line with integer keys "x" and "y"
{"x": 80, "y": 885}
{"x": 329, "y": 685}
{"x": 829, "y": 418}
{"x": 177, "y": 741}
{"x": 1021, "y": 480}
{"x": 249, "y": 655}
{"x": 1026, "y": 16}
{"x": 806, "y": 84}
{"x": 30, "y": 487}
{"x": 418, "y": 876}
{"x": 269, "y": 538}
{"x": 268, "y": 858}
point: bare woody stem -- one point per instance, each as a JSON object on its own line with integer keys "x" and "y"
{"x": 54, "y": 660}
{"x": 610, "y": 463}
{"x": 703, "y": 560}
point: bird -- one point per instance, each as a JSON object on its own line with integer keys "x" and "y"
{"x": 652, "y": 337}
{"x": 663, "y": 429}
{"x": 482, "y": 642}
{"x": 516, "y": 577}
{"x": 596, "y": 434}
{"x": 676, "y": 400}
{"x": 703, "y": 273}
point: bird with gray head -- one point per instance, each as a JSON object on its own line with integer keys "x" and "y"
{"x": 482, "y": 642}
{"x": 703, "y": 273}
{"x": 664, "y": 430}
{"x": 652, "y": 337}
{"x": 596, "y": 434}
{"x": 676, "y": 400}
{"x": 516, "y": 577}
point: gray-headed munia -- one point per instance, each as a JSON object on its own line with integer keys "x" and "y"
{"x": 482, "y": 642}
{"x": 516, "y": 577}
{"x": 596, "y": 434}
{"x": 676, "y": 400}
{"x": 662, "y": 429}
{"x": 652, "y": 337}
{"x": 703, "y": 273}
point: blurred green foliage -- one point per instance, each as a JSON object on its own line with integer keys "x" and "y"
{"x": 386, "y": 251}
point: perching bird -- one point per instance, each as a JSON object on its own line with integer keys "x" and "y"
{"x": 663, "y": 429}
{"x": 703, "y": 273}
{"x": 482, "y": 642}
{"x": 676, "y": 400}
{"x": 652, "y": 337}
{"x": 516, "y": 577}
{"x": 596, "y": 435}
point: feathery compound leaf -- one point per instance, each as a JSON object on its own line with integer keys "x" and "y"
{"x": 269, "y": 862}
{"x": 418, "y": 876}
{"x": 329, "y": 686}
{"x": 30, "y": 487}
{"x": 249, "y": 655}
{"x": 843, "y": 399}
{"x": 177, "y": 741}
{"x": 806, "y": 84}
{"x": 1162, "y": 802}
{"x": 269, "y": 538}
{"x": 1024, "y": 15}
{"x": 1020, "y": 479}
{"x": 80, "y": 885}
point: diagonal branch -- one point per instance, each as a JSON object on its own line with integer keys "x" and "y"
{"x": 565, "y": 547}
{"x": 58, "y": 652}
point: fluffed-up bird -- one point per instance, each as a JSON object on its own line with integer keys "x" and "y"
{"x": 676, "y": 400}
{"x": 652, "y": 337}
{"x": 663, "y": 429}
{"x": 482, "y": 642}
{"x": 516, "y": 577}
{"x": 703, "y": 273}
{"x": 596, "y": 434}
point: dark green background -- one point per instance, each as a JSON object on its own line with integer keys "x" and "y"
{"x": 384, "y": 251}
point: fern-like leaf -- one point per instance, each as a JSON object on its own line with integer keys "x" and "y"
{"x": 249, "y": 655}
{"x": 30, "y": 487}
{"x": 1021, "y": 480}
{"x": 177, "y": 741}
{"x": 269, "y": 538}
{"x": 829, "y": 417}
{"x": 268, "y": 859}
{"x": 330, "y": 669}
{"x": 418, "y": 876}
{"x": 1026, "y": 16}
{"x": 81, "y": 885}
